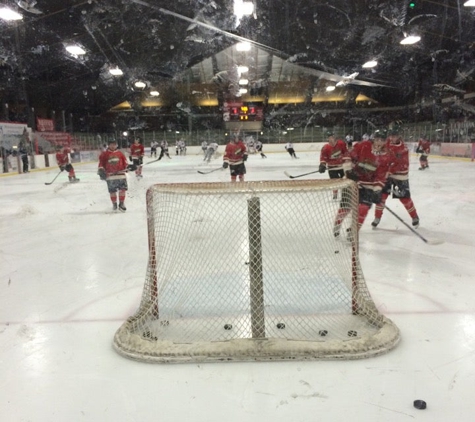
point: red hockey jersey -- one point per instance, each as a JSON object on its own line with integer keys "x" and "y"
{"x": 400, "y": 167}
{"x": 114, "y": 163}
{"x": 137, "y": 150}
{"x": 62, "y": 157}
{"x": 334, "y": 156}
{"x": 235, "y": 152}
{"x": 371, "y": 167}
{"x": 423, "y": 147}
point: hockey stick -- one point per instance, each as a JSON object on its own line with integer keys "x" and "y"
{"x": 300, "y": 175}
{"x": 211, "y": 171}
{"x": 429, "y": 242}
{"x": 49, "y": 183}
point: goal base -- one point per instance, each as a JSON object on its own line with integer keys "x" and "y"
{"x": 147, "y": 348}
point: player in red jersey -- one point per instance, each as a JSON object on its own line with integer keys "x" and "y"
{"x": 235, "y": 155}
{"x": 423, "y": 148}
{"x": 137, "y": 152}
{"x": 62, "y": 158}
{"x": 113, "y": 169}
{"x": 398, "y": 180}
{"x": 371, "y": 161}
{"x": 334, "y": 157}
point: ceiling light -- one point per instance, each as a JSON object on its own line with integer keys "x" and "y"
{"x": 469, "y": 3}
{"x": 243, "y": 46}
{"x": 115, "y": 71}
{"x": 330, "y": 88}
{"x": 154, "y": 93}
{"x": 410, "y": 39}
{"x": 242, "y": 8}
{"x": 75, "y": 50}
{"x": 9, "y": 15}
{"x": 243, "y": 69}
{"x": 242, "y": 90}
{"x": 243, "y": 81}
{"x": 140, "y": 84}
{"x": 370, "y": 64}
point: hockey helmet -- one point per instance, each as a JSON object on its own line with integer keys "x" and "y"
{"x": 394, "y": 130}
{"x": 379, "y": 134}
{"x": 329, "y": 133}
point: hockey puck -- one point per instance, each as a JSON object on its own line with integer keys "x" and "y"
{"x": 227, "y": 326}
{"x": 420, "y": 404}
{"x": 337, "y": 251}
{"x": 280, "y": 325}
{"x": 352, "y": 333}
{"x": 322, "y": 333}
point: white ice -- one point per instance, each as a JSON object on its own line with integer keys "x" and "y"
{"x": 71, "y": 271}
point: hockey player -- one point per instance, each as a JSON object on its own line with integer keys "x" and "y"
{"x": 112, "y": 169}
{"x": 334, "y": 156}
{"x": 163, "y": 150}
{"x": 235, "y": 155}
{"x": 137, "y": 152}
{"x": 62, "y": 158}
{"x": 180, "y": 147}
{"x": 259, "y": 149}
{"x": 289, "y": 146}
{"x": 398, "y": 180}
{"x": 204, "y": 147}
{"x": 423, "y": 148}
{"x": 153, "y": 149}
{"x": 210, "y": 150}
{"x": 371, "y": 161}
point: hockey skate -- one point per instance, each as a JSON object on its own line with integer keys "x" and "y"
{"x": 122, "y": 207}
{"x": 415, "y": 222}
{"x": 114, "y": 207}
{"x": 375, "y": 222}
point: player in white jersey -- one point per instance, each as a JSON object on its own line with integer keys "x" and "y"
{"x": 210, "y": 150}
{"x": 289, "y": 146}
{"x": 259, "y": 149}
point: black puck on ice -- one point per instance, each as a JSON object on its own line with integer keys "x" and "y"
{"x": 227, "y": 326}
{"x": 420, "y": 404}
{"x": 280, "y": 325}
{"x": 322, "y": 333}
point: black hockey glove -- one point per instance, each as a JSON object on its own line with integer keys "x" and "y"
{"x": 351, "y": 175}
{"x": 131, "y": 167}
{"x": 102, "y": 174}
{"x": 62, "y": 168}
{"x": 322, "y": 168}
{"x": 130, "y": 158}
{"x": 225, "y": 165}
{"x": 244, "y": 157}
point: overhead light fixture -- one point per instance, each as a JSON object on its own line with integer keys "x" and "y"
{"x": 469, "y": 3}
{"x": 140, "y": 84}
{"x": 243, "y": 81}
{"x": 242, "y": 69}
{"x": 369, "y": 64}
{"x": 410, "y": 39}
{"x": 9, "y": 15}
{"x": 242, "y": 90}
{"x": 330, "y": 88}
{"x": 115, "y": 71}
{"x": 76, "y": 50}
{"x": 154, "y": 93}
{"x": 243, "y": 46}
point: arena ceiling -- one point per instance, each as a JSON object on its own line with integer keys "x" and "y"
{"x": 186, "y": 51}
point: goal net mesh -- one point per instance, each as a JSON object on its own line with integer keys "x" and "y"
{"x": 254, "y": 271}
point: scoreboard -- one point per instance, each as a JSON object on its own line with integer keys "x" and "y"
{"x": 242, "y": 112}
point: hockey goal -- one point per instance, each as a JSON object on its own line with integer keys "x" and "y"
{"x": 253, "y": 271}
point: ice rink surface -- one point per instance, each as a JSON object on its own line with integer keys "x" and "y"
{"x": 72, "y": 271}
